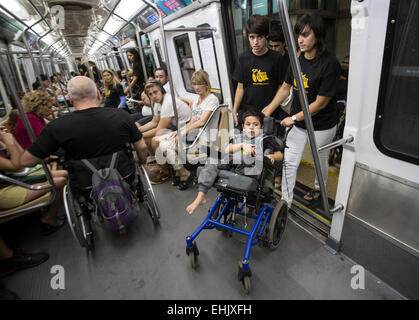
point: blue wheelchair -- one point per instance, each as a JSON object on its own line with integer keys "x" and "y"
{"x": 252, "y": 198}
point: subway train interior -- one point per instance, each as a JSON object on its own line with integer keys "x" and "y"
{"x": 358, "y": 240}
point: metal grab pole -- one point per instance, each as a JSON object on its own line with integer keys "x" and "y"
{"x": 140, "y": 47}
{"x": 126, "y": 67}
{"x": 296, "y": 69}
{"x": 172, "y": 91}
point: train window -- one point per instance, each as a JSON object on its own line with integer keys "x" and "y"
{"x": 260, "y": 7}
{"x": 148, "y": 54}
{"x": 396, "y": 128}
{"x": 209, "y": 59}
{"x": 160, "y": 57}
{"x": 184, "y": 54}
{"x": 240, "y": 15}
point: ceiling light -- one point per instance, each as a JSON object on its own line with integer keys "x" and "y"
{"x": 16, "y": 8}
{"x": 128, "y": 8}
{"x": 113, "y": 25}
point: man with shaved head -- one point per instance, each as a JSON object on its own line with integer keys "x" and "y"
{"x": 90, "y": 131}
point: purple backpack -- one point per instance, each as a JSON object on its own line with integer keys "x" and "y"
{"x": 114, "y": 203}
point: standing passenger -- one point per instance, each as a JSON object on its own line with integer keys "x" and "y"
{"x": 320, "y": 71}
{"x": 137, "y": 83}
{"x": 259, "y": 72}
{"x": 82, "y": 68}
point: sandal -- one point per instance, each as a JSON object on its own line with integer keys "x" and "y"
{"x": 312, "y": 195}
{"x": 183, "y": 185}
{"x": 47, "y": 229}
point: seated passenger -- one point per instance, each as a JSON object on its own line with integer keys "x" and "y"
{"x": 38, "y": 106}
{"x": 88, "y": 132}
{"x": 15, "y": 260}
{"x": 162, "y": 76}
{"x": 12, "y": 196}
{"x": 47, "y": 86}
{"x": 114, "y": 94}
{"x": 12, "y": 120}
{"x": 163, "y": 120}
{"x": 251, "y": 143}
{"x": 202, "y": 107}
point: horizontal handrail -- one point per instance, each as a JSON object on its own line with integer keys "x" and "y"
{"x": 197, "y": 29}
{"x": 24, "y": 185}
{"x": 336, "y": 143}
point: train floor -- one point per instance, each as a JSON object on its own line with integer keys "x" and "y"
{"x": 151, "y": 263}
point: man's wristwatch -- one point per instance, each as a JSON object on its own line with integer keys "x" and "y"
{"x": 294, "y": 118}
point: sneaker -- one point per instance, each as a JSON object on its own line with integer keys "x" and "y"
{"x": 21, "y": 260}
{"x": 161, "y": 177}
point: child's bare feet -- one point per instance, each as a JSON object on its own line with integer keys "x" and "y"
{"x": 199, "y": 200}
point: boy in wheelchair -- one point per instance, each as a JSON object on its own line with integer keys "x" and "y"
{"x": 245, "y": 150}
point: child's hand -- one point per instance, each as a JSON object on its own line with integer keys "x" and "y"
{"x": 248, "y": 148}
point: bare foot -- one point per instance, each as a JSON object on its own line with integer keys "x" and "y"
{"x": 200, "y": 199}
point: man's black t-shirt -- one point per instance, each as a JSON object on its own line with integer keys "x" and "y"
{"x": 112, "y": 96}
{"x": 320, "y": 77}
{"x": 82, "y": 70}
{"x": 87, "y": 133}
{"x": 261, "y": 77}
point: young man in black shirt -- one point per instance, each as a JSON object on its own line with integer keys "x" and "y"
{"x": 259, "y": 72}
{"x": 82, "y": 68}
{"x": 88, "y": 132}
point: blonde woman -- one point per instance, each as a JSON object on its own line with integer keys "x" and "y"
{"x": 114, "y": 94}
{"x": 38, "y": 106}
{"x": 202, "y": 107}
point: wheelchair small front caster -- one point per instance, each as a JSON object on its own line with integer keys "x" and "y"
{"x": 193, "y": 254}
{"x": 244, "y": 278}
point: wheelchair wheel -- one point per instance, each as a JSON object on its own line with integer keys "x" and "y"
{"x": 148, "y": 196}
{"x": 80, "y": 226}
{"x": 244, "y": 279}
{"x": 277, "y": 224}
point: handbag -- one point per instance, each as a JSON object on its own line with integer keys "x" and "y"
{"x": 287, "y": 103}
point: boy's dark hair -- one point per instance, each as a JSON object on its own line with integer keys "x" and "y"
{"x": 258, "y": 24}
{"x": 253, "y": 113}
{"x": 276, "y": 35}
{"x": 79, "y": 59}
{"x": 315, "y": 23}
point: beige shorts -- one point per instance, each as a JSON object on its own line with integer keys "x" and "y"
{"x": 12, "y": 196}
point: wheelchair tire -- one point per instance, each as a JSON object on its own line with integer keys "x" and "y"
{"x": 277, "y": 224}
{"x": 244, "y": 279}
{"x": 149, "y": 197}
{"x": 79, "y": 225}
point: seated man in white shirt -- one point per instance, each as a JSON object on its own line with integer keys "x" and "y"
{"x": 163, "y": 120}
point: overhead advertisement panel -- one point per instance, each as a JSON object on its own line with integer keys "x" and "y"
{"x": 148, "y": 16}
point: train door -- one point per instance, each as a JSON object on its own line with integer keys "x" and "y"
{"x": 379, "y": 178}
{"x": 192, "y": 50}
